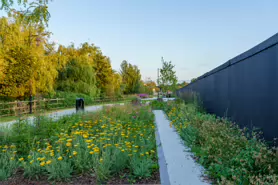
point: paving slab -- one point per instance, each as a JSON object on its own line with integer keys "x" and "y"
{"x": 180, "y": 166}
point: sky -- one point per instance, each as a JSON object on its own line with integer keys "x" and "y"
{"x": 196, "y": 35}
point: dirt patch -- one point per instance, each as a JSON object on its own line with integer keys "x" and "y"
{"x": 86, "y": 179}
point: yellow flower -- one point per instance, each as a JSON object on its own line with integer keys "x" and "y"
{"x": 74, "y": 153}
{"x": 48, "y": 162}
{"x": 29, "y": 156}
{"x": 60, "y": 158}
{"x": 42, "y": 164}
{"x": 129, "y": 154}
{"x": 31, "y": 162}
{"x": 152, "y": 151}
{"x": 147, "y": 153}
{"x": 89, "y": 147}
{"x": 91, "y": 152}
{"x": 142, "y": 154}
{"x": 69, "y": 140}
{"x": 14, "y": 152}
{"x": 101, "y": 160}
{"x": 42, "y": 159}
{"x": 116, "y": 145}
{"x": 4, "y": 151}
{"x": 123, "y": 150}
{"x": 70, "y": 156}
{"x": 96, "y": 149}
{"x": 89, "y": 141}
{"x": 68, "y": 144}
{"x": 21, "y": 159}
{"x": 136, "y": 146}
{"x": 12, "y": 158}
{"x": 85, "y": 136}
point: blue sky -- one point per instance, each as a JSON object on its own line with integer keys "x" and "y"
{"x": 196, "y": 35}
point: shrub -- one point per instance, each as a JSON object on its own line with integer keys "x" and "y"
{"x": 225, "y": 150}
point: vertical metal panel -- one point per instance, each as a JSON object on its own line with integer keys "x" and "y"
{"x": 245, "y": 89}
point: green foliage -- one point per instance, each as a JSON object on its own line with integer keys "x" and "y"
{"x": 158, "y": 105}
{"x": 131, "y": 77}
{"x": 8, "y": 163}
{"x": 167, "y": 77}
{"x": 77, "y": 77}
{"x": 224, "y": 149}
{"x": 105, "y": 143}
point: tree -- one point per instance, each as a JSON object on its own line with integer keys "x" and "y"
{"x": 182, "y": 84}
{"x": 167, "y": 78}
{"x": 23, "y": 66}
{"x": 78, "y": 76}
{"x": 131, "y": 77}
{"x": 193, "y": 80}
{"x": 150, "y": 86}
{"x": 36, "y": 11}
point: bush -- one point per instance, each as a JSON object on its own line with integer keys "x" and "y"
{"x": 225, "y": 150}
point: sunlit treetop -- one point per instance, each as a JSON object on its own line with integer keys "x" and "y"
{"x": 35, "y": 11}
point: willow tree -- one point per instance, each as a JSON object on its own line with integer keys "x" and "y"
{"x": 131, "y": 77}
{"x": 24, "y": 68}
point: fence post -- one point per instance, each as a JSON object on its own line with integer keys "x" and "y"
{"x": 30, "y": 101}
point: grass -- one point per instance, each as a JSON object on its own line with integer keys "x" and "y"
{"x": 44, "y": 112}
{"x": 8, "y": 118}
{"x": 230, "y": 155}
{"x": 102, "y": 144}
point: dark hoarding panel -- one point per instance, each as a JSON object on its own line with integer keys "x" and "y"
{"x": 246, "y": 91}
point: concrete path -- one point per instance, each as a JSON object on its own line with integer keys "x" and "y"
{"x": 181, "y": 169}
{"x": 60, "y": 113}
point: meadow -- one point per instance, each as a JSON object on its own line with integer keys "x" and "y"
{"x": 116, "y": 144}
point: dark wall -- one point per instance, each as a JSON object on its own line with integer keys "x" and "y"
{"x": 244, "y": 89}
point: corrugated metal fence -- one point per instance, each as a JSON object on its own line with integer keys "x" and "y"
{"x": 244, "y": 89}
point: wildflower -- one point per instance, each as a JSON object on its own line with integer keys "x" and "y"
{"x": 21, "y": 159}
{"x": 152, "y": 151}
{"x": 89, "y": 147}
{"x": 12, "y": 158}
{"x": 60, "y": 158}
{"x": 48, "y": 162}
{"x": 74, "y": 153}
{"x": 69, "y": 140}
{"x": 123, "y": 150}
{"x": 29, "y": 156}
{"x": 100, "y": 160}
{"x": 116, "y": 145}
{"x": 85, "y": 136}
{"x": 91, "y": 152}
{"x": 51, "y": 154}
{"x": 42, "y": 163}
{"x": 89, "y": 141}
{"x": 147, "y": 153}
{"x": 70, "y": 156}
{"x": 31, "y": 162}
{"x": 68, "y": 144}
{"x": 14, "y": 152}
{"x": 142, "y": 154}
{"x": 4, "y": 151}
{"x": 136, "y": 146}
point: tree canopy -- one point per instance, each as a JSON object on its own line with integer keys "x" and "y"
{"x": 30, "y": 65}
{"x": 167, "y": 77}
